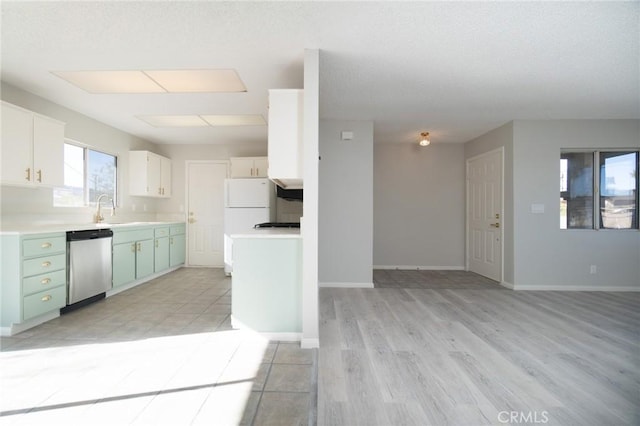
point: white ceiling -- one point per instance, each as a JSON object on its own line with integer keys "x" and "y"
{"x": 454, "y": 69}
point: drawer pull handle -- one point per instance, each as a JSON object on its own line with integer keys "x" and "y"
{"x": 46, "y": 298}
{"x": 157, "y": 244}
{"x": 39, "y": 172}
{"x": 133, "y": 247}
{"x": 45, "y": 281}
{"x": 45, "y": 245}
{"x": 28, "y": 174}
{"x": 46, "y": 264}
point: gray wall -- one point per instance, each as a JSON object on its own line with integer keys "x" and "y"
{"x": 419, "y": 206}
{"x": 345, "y": 225}
{"x": 501, "y": 137}
{"x": 544, "y": 255}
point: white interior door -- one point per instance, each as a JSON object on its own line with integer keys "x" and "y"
{"x": 205, "y": 210}
{"x": 484, "y": 214}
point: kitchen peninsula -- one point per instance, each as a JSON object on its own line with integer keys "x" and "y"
{"x": 267, "y": 282}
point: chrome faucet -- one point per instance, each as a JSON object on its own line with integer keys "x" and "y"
{"x": 97, "y": 217}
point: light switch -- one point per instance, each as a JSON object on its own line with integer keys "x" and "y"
{"x": 346, "y": 135}
{"x": 537, "y": 208}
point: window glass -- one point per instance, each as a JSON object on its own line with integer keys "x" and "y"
{"x": 618, "y": 190}
{"x": 87, "y": 175}
{"x": 576, "y": 190}
{"x": 101, "y": 175}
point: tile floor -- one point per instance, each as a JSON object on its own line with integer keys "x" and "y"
{"x": 161, "y": 353}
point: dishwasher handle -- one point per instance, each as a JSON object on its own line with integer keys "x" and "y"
{"x": 89, "y": 234}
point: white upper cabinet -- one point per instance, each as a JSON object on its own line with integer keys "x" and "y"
{"x": 285, "y": 137}
{"x": 149, "y": 174}
{"x": 32, "y": 148}
{"x": 249, "y": 167}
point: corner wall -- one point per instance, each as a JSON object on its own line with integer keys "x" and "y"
{"x": 345, "y": 225}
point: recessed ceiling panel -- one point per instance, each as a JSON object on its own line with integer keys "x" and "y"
{"x": 235, "y": 120}
{"x": 174, "y": 120}
{"x": 111, "y": 81}
{"x": 190, "y": 81}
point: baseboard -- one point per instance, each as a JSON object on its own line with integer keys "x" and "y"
{"x": 309, "y": 343}
{"x": 575, "y": 288}
{"x": 120, "y": 289}
{"x": 420, "y": 268}
{"x": 346, "y": 285}
{"x": 507, "y": 285}
{"x": 269, "y": 335}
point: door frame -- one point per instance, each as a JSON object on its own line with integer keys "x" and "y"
{"x": 187, "y": 164}
{"x": 499, "y": 150}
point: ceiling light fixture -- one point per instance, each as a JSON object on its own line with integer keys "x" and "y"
{"x": 424, "y": 139}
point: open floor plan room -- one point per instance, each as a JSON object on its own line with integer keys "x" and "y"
{"x": 422, "y": 348}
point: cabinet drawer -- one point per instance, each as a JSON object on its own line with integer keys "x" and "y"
{"x": 43, "y": 302}
{"x": 43, "y": 246}
{"x": 130, "y": 236}
{"x": 177, "y": 229}
{"x": 44, "y": 282}
{"x": 42, "y": 265}
{"x": 161, "y": 232}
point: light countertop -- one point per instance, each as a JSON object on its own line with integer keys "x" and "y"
{"x": 26, "y": 228}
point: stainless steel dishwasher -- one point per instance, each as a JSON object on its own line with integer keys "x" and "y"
{"x": 89, "y": 273}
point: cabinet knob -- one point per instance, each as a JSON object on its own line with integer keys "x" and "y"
{"x": 46, "y": 264}
{"x": 28, "y": 174}
{"x": 45, "y": 281}
{"x": 45, "y": 245}
{"x": 495, "y": 225}
{"x": 133, "y": 248}
{"x": 46, "y": 298}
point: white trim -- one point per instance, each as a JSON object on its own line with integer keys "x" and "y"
{"x": 269, "y": 335}
{"x": 420, "y": 268}
{"x": 23, "y": 326}
{"x": 309, "y": 343}
{"x": 575, "y": 288}
{"x": 346, "y": 285}
{"x": 507, "y": 285}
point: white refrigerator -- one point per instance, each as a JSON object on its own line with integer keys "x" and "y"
{"x": 247, "y": 202}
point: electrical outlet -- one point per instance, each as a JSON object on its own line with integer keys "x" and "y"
{"x": 593, "y": 269}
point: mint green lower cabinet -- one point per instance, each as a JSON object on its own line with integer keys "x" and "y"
{"x": 267, "y": 284}
{"x": 177, "y": 250}
{"x": 144, "y": 258}
{"x": 161, "y": 255}
{"x": 124, "y": 263}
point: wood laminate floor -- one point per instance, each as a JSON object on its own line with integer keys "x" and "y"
{"x": 424, "y": 351}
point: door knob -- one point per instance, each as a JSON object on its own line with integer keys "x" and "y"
{"x": 192, "y": 220}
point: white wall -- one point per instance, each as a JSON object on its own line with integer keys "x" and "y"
{"x": 345, "y": 224}
{"x": 501, "y": 137}
{"x": 26, "y": 204}
{"x": 418, "y": 206}
{"x": 544, "y": 255}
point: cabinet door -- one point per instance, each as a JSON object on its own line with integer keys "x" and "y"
{"x": 124, "y": 263}
{"x": 161, "y": 254}
{"x": 261, "y": 166}
{"x": 154, "y": 166}
{"x": 165, "y": 177}
{"x": 285, "y": 134}
{"x": 144, "y": 258}
{"x": 242, "y": 167}
{"x": 17, "y": 146}
{"x": 48, "y": 151}
{"x": 177, "y": 250}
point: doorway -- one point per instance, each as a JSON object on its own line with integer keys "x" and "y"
{"x": 205, "y": 212}
{"x": 485, "y": 214}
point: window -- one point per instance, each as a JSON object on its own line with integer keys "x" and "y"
{"x": 87, "y": 174}
{"x": 599, "y": 190}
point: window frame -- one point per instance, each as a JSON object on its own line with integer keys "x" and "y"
{"x": 596, "y": 195}
{"x": 85, "y": 156}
